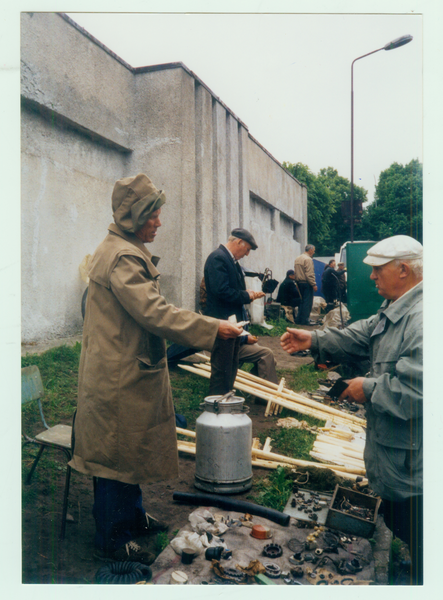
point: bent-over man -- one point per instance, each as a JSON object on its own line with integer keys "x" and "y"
{"x": 392, "y": 392}
{"x": 124, "y": 429}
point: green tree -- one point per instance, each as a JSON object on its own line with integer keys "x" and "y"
{"x": 398, "y": 204}
{"x": 326, "y": 192}
{"x": 320, "y": 204}
{"x": 340, "y": 190}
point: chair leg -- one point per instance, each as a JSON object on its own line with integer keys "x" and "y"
{"x": 34, "y": 465}
{"x": 65, "y": 501}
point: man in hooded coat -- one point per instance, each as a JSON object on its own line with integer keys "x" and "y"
{"x": 124, "y": 428}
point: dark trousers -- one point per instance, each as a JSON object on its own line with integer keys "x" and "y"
{"x": 118, "y": 513}
{"x": 405, "y": 520}
{"x": 307, "y": 298}
{"x": 224, "y": 365}
{"x": 329, "y": 292}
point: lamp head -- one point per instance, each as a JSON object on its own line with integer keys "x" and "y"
{"x": 401, "y": 41}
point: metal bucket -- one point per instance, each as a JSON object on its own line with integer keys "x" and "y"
{"x": 223, "y": 446}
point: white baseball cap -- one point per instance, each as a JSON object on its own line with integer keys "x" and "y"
{"x": 397, "y": 247}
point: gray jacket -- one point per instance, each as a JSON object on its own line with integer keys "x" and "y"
{"x": 393, "y": 341}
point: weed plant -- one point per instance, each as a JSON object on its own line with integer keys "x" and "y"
{"x": 273, "y": 491}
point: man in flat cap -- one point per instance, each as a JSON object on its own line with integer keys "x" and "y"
{"x": 124, "y": 428}
{"x": 392, "y": 392}
{"x": 226, "y": 295}
{"x": 305, "y": 278}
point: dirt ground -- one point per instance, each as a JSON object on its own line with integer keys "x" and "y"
{"x": 47, "y": 560}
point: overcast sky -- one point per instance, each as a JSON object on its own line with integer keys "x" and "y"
{"x": 288, "y": 78}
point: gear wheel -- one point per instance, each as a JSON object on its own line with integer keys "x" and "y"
{"x": 272, "y": 551}
{"x": 272, "y": 570}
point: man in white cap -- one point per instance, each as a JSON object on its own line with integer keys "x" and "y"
{"x": 392, "y": 392}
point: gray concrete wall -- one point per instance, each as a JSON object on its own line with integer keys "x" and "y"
{"x": 89, "y": 119}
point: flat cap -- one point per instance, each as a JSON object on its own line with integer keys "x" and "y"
{"x": 245, "y": 235}
{"x": 397, "y": 247}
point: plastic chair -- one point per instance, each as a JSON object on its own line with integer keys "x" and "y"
{"x": 58, "y": 437}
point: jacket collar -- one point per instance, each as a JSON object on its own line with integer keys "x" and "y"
{"x": 133, "y": 239}
{"x": 394, "y": 311}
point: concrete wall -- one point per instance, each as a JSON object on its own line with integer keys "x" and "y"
{"x": 89, "y": 119}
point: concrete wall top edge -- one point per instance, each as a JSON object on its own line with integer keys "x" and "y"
{"x": 149, "y": 68}
{"x": 252, "y": 138}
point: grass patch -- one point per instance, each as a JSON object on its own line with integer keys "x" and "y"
{"x": 189, "y": 391}
{"x": 273, "y": 491}
{"x": 279, "y": 328}
{"x": 161, "y": 541}
{"x": 296, "y": 443}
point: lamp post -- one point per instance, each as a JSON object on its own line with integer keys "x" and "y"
{"x": 401, "y": 41}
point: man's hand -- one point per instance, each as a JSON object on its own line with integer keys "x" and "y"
{"x": 251, "y": 339}
{"x": 354, "y": 391}
{"x": 295, "y": 340}
{"x": 315, "y": 288}
{"x": 255, "y": 295}
{"x": 228, "y": 330}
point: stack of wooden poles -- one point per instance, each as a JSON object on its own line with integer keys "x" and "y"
{"x": 336, "y": 446}
{"x": 266, "y": 459}
{"x": 278, "y": 397}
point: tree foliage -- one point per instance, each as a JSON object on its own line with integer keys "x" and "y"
{"x": 398, "y": 205}
{"x": 326, "y": 191}
{"x": 396, "y": 210}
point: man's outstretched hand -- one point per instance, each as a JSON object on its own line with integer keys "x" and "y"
{"x": 228, "y": 330}
{"x": 295, "y": 340}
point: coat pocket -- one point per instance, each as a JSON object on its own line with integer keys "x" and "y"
{"x": 146, "y": 364}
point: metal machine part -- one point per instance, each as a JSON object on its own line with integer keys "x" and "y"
{"x": 272, "y": 570}
{"x": 272, "y": 551}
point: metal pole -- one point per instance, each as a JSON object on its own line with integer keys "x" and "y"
{"x": 352, "y": 138}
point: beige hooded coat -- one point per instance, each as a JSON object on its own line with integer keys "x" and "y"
{"x": 124, "y": 427}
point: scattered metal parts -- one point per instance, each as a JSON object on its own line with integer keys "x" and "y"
{"x": 272, "y": 570}
{"x": 296, "y": 561}
{"x": 234, "y": 574}
{"x": 226, "y": 554}
{"x": 296, "y": 546}
{"x": 313, "y": 516}
{"x": 290, "y": 581}
{"x": 297, "y": 571}
{"x": 347, "y": 579}
{"x": 272, "y": 551}
{"x": 319, "y": 551}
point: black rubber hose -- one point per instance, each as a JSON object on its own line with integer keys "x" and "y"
{"x": 124, "y": 572}
{"x": 229, "y": 504}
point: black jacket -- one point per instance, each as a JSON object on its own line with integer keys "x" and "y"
{"x": 288, "y": 294}
{"x": 225, "y": 286}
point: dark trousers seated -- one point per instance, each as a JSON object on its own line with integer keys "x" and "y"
{"x": 405, "y": 520}
{"x": 118, "y": 513}
{"x": 307, "y": 298}
{"x": 224, "y": 365}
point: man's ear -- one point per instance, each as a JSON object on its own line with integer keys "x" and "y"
{"x": 405, "y": 270}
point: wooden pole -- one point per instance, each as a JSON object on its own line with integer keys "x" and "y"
{"x": 340, "y": 418}
{"x": 288, "y": 395}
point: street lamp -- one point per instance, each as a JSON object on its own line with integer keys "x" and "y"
{"x": 401, "y": 41}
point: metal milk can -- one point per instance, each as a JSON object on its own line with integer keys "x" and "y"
{"x": 223, "y": 446}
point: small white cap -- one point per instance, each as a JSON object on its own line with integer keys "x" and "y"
{"x": 397, "y": 247}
